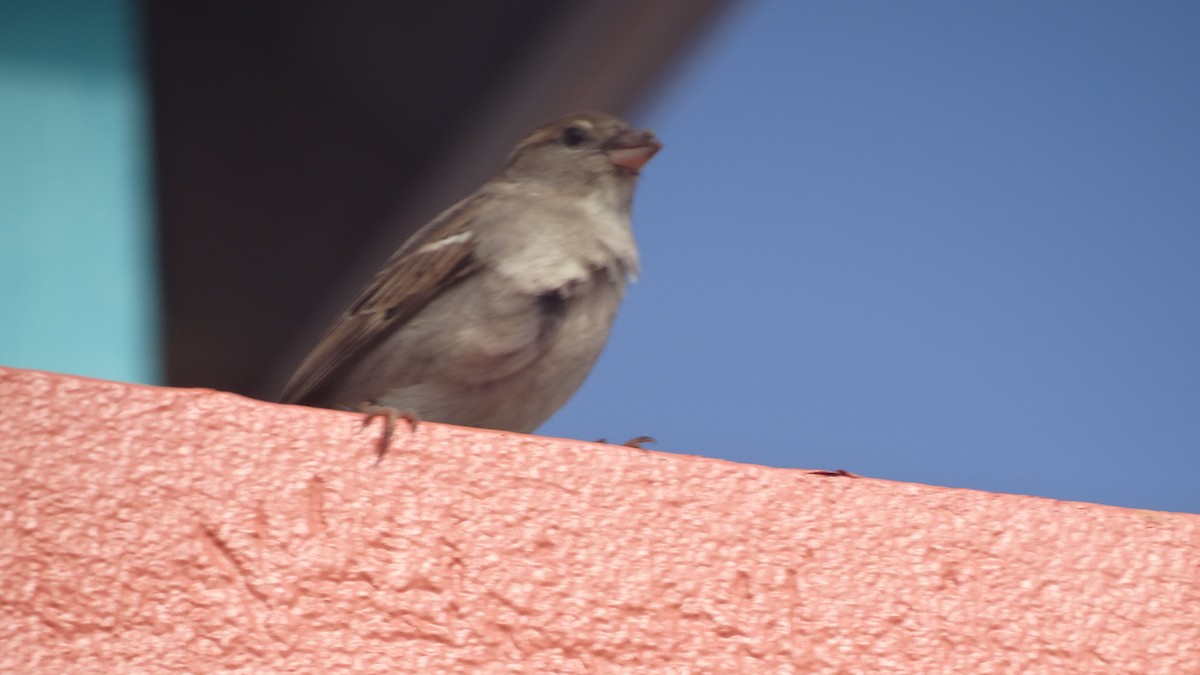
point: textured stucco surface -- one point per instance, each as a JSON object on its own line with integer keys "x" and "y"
{"x": 145, "y": 528}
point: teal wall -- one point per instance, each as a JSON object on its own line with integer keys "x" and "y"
{"x": 77, "y": 273}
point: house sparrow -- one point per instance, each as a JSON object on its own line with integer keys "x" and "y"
{"x": 492, "y": 314}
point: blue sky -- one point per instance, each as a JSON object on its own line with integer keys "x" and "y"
{"x": 949, "y": 243}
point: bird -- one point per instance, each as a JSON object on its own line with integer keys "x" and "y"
{"x": 493, "y": 313}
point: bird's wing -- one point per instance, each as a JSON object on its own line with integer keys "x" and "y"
{"x": 439, "y": 255}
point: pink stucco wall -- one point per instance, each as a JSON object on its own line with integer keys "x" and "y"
{"x": 148, "y": 528}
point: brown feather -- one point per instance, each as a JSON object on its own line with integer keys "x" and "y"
{"x": 418, "y": 272}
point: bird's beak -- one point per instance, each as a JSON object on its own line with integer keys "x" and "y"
{"x": 632, "y": 149}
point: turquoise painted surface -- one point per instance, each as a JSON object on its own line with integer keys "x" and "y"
{"x": 77, "y": 273}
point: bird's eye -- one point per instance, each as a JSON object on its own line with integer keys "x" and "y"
{"x": 573, "y": 136}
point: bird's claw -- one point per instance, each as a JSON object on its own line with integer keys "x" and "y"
{"x": 837, "y": 472}
{"x": 372, "y": 410}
